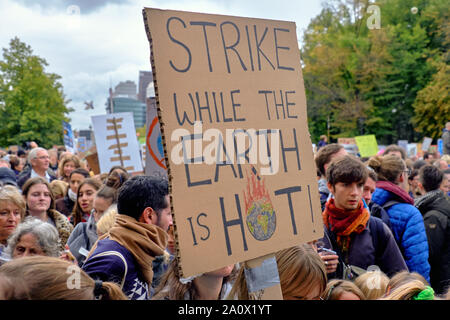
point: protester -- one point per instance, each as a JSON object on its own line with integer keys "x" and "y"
{"x": 446, "y": 139}
{"x": 441, "y": 164}
{"x": 7, "y": 177}
{"x": 12, "y": 211}
{"x": 403, "y": 277}
{"x": 33, "y": 237}
{"x": 49, "y": 278}
{"x": 445, "y": 185}
{"x": 59, "y": 189}
{"x": 213, "y": 285}
{"x": 407, "y": 222}
{"x": 116, "y": 177}
{"x": 41, "y": 204}
{"x": 85, "y": 235}
{"x": 359, "y": 239}
{"x": 53, "y": 158}
{"x": 395, "y": 150}
{"x": 138, "y": 236}
{"x": 411, "y": 290}
{"x": 301, "y": 272}
{"x": 413, "y": 184}
{"x": 342, "y": 290}
{"x": 428, "y": 157}
{"x": 17, "y": 164}
{"x": 66, "y": 165}
{"x": 368, "y": 190}
{"x": 65, "y": 205}
{"x": 435, "y": 208}
{"x": 322, "y": 160}
{"x": 322, "y": 142}
{"x": 85, "y": 201}
{"x": 373, "y": 284}
{"x": 39, "y": 161}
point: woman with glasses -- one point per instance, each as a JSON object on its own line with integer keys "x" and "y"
{"x": 406, "y": 220}
{"x": 85, "y": 235}
{"x": 40, "y": 203}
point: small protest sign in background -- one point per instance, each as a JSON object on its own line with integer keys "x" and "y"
{"x": 116, "y": 142}
{"x": 69, "y": 141}
{"x": 367, "y": 145}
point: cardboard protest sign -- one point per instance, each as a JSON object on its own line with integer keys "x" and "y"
{"x": 367, "y": 145}
{"x": 116, "y": 142}
{"x": 232, "y": 110}
{"x": 155, "y": 164}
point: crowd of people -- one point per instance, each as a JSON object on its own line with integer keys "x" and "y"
{"x": 386, "y": 233}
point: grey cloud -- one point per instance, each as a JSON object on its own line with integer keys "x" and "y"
{"x": 86, "y": 6}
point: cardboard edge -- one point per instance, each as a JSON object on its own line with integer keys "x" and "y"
{"x": 145, "y": 12}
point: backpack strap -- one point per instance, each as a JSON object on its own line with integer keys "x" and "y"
{"x": 117, "y": 254}
{"x": 389, "y": 204}
{"x": 379, "y": 239}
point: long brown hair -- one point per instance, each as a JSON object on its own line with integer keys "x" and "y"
{"x": 388, "y": 168}
{"x": 38, "y": 180}
{"x": 62, "y": 163}
{"x": 77, "y": 213}
{"x": 50, "y": 278}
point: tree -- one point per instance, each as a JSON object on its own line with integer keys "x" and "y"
{"x": 32, "y": 105}
{"x": 361, "y": 81}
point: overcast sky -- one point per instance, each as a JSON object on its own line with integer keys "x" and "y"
{"x": 95, "y": 44}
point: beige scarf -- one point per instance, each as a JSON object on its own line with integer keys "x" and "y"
{"x": 144, "y": 241}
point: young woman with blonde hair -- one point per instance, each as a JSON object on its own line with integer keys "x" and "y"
{"x": 373, "y": 284}
{"x": 411, "y": 290}
{"x": 301, "y": 271}
{"x": 49, "y": 278}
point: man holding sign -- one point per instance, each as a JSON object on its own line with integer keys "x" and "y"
{"x": 126, "y": 253}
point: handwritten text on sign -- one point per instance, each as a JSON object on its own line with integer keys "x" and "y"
{"x": 232, "y": 109}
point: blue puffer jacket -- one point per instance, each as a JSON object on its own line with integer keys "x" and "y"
{"x": 409, "y": 231}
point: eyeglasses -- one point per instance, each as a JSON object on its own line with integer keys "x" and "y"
{"x": 43, "y": 157}
{"x": 408, "y": 171}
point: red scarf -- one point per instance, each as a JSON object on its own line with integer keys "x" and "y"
{"x": 344, "y": 222}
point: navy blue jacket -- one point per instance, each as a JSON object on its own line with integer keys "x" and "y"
{"x": 110, "y": 261}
